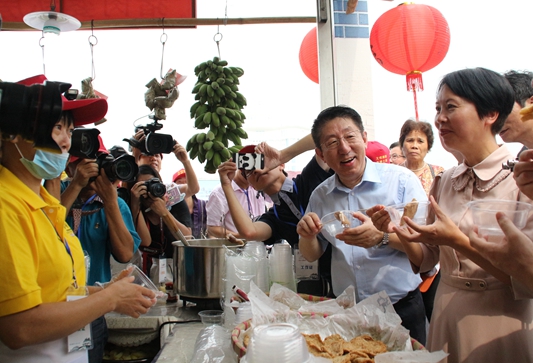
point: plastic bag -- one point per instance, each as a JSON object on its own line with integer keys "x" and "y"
{"x": 213, "y": 345}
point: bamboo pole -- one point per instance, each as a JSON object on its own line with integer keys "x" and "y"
{"x": 171, "y": 22}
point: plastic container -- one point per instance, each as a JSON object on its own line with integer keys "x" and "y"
{"x": 212, "y": 317}
{"x": 280, "y": 343}
{"x": 484, "y": 215}
{"x": 332, "y": 224}
{"x": 396, "y": 212}
{"x": 143, "y": 280}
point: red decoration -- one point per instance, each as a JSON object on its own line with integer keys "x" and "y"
{"x": 410, "y": 39}
{"x": 309, "y": 55}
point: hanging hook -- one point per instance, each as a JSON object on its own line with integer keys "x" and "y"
{"x": 218, "y": 38}
{"x": 41, "y": 44}
{"x": 93, "y": 40}
{"x": 163, "y": 39}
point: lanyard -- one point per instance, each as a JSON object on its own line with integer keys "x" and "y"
{"x": 245, "y": 191}
{"x": 67, "y": 248}
{"x": 297, "y": 213}
{"x": 81, "y": 217}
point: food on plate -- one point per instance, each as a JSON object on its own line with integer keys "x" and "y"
{"x": 409, "y": 210}
{"x": 342, "y": 218}
{"x": 361, "y": 349}
{"x": 526, "y": 113}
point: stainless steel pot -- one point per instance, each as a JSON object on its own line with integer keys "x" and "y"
{"x": 199, "y": 268}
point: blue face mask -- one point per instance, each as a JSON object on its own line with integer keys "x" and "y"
{"x": 45, "y": 165}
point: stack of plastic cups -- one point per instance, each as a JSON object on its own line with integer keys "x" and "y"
{"x": 258, "y": 251}
{"x": 240, "y": 269}
{"x": 280, "y": 343}
{"x": 281, "y": 264}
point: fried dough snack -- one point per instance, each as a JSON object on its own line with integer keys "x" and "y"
{"x": 526, "y": 113}
{"x": 409, "y": 210}
{"x": 361, "y": 349}
{"x": 342, "y": 218}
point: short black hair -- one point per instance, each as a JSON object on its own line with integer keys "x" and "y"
{"x": 487, "y": 90}
{"x": 148, "y": 170}
{"x": 394, "y": 144}
{"x": 331, "y": 113}
{"x": 521, "y": 83}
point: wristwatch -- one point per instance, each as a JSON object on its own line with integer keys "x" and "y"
{"x": 384, "y": 241}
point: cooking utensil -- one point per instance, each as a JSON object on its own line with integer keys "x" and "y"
{"x": 200, "y": 266}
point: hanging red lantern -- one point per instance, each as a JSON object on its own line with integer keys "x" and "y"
{"x": 410, "y": 39}
{"x": 309, "y": 55}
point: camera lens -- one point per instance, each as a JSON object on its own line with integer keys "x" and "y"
{"x": 155, "y": 187}
{"x": 159, "y": 143}
{"x": 125, "y": 168}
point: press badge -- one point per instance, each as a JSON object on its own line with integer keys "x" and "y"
{"x": 81, "y": 339}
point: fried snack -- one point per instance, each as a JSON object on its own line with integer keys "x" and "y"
{"x": 367, "y": 344}
{"x": 342, "y": 218}
{"x": 409, "y": 210}
{"x": 526, "y": 113}
{"x": 334, "y": 345}
{"x": 361, "y": 349}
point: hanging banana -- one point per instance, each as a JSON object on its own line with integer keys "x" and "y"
{"x": 218, "y": 107}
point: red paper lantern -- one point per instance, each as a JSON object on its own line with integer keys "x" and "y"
{"x": 309, "y": 55}
{"x": 410, "y": 39}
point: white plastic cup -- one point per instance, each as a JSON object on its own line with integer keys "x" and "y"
{"x": 280, "y": 343}
{"x": 212, "y": 317}
{"x": 244, "y": 312}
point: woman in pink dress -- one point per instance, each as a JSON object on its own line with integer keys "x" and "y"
{"x": 481, "y": 314}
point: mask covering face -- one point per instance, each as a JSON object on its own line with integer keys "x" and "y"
{"x": 45, "y": 165}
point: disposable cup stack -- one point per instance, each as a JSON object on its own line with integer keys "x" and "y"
{"x": 281, "y": 264}
{"x": 240, "y": 270}
{"x": 258, "y": 251}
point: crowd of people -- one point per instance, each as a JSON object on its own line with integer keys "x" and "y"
{"x": 65, "y": 220}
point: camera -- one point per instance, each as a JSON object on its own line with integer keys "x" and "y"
{"x": 86, "y": 145}
{"x": 155, "y": 187}
{"x": 122, "y": 168}
{"x": 32, "y": 111}
{"x": 249, "y": 161}
{"x": 154, "y": 143}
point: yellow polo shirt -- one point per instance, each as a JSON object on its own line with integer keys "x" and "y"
{"x": 35, "y": 266}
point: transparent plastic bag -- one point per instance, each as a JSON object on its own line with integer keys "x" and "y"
{"x": 213, "y": 345}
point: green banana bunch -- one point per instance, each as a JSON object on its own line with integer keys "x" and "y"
{"x": 218, "y": 108}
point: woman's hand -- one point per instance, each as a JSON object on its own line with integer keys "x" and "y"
{"x": 131, "y": 299}
{"x": 138, "y": 191}
{"x": 442, "y": 232}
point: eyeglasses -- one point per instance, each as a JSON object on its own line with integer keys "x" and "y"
{"x": 333, "y": 143}
{"x": 396, "y": 156}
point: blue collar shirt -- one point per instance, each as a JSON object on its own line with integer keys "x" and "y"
{"x": 374, "y": 269}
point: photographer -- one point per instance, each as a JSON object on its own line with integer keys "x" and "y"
{"x": 103, "y": 223}
{"x": 41, "y": 260}
{"x": 162, "y": 222}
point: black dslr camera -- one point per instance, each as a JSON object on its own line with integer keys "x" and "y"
{"x": 155, "y": 187}
{"x": 85, "y": 145}
{"x": 32, "y": 111}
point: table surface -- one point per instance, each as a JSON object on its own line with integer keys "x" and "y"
{"x": 179, "y": 344}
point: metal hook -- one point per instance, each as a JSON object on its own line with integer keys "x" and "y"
{"x": 163, "y": 39}
{"x": 41, "y": 44}
{"x": 93, "y": 40}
